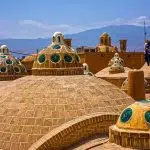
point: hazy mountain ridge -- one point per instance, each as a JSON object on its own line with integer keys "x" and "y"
{"x": 134, "y": 35}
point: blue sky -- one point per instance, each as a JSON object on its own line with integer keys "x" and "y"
{"x": 40, "y": 18}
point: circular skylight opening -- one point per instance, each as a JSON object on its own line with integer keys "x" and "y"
{"x": 147, "y": 116}
{"x": 56, "y": 47}
{"x": 17, "y": 69}
{"x": 55, "y": 58}
{"x": 8, "y": 62}
{"x": 3, "y": 69}
{"x": 67, "y": 58}
{"x": 77, "y": 57}
{"x": 126, "y": 115}
{"x": 41, "y": 58}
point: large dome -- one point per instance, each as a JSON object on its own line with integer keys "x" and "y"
{"x": 32, "y": 106}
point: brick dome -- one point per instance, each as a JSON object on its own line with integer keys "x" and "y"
{"x": 133, "y": 126}
{"x": 9, "y": 65}
{"x": 28, "y": 62}
{"x": 129, "y": 119}
{"x": 32, "y": 106}
{"x": 57, "y": 59}
{"x": 29, "y": 58}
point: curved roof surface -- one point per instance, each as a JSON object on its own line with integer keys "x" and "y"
{"x": 9, "y": 64}
{"x": 29, "y": 58}
{"x": 105, "y": 73}
{"x": 57, "y": 59}
{"x": 34, "y": 105}
{"x": 136, "y": 116}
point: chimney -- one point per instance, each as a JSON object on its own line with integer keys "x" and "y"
{"x": 123, "y": 45}
{"x": 68, "y": 42}
{"x": 136, "y": 87}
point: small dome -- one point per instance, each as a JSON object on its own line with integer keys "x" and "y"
{"x": 57, "y": 59}
{"x": 116, "y": 56}
{"x": 29, "y": 58}
{"x": 116, "y": 64}
{"x": 133, "y": 126}
{"x": 9, "y": 64}
{"x": 136, "y": 116}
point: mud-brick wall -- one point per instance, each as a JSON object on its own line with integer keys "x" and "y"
{"x": 99, "y": 60}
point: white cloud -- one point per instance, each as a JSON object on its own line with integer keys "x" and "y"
{"x": 142, "y": 18}
{"x": 36, "y": 29}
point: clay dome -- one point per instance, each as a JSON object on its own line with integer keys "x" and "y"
{"x": 29, "y": 58}
{"x": 57, "y": 59}
{"x": 136, "y": 116}
{"x": 32, "y": 106}
{"x": 104, "y": 73}
{"x": 133, "y": 126}
{"x": 9, "y": 64}
{"x": 115, "y": 69}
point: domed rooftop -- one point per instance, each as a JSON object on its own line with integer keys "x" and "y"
{"x": 115, "y": 68}
{"x": 129, "y": 118}
{"x": 57, "y": 59}
{"x": 9, "y": 64}
{"x": 134, "y": 125}
{"x": 105, "y": 73}
{"x": 28, "y": 62}
{"x": 29, "y": 58}
{"x": 32, "y": 106}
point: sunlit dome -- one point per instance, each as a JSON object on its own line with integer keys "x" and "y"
{"x": 32, "y": 106}
{"x": 9, "y": 64}
{"x": 57, "y": 59}
{"x": 133, "y": 126}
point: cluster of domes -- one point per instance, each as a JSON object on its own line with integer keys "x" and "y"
{"x": 57, "y": 59}
{"x": 8, "y": 63}
{"x": 33, "y": 106}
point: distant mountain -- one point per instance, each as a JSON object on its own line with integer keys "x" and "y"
{"x": 134, "y": 35}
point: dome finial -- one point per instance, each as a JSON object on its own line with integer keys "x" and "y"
{"x": 4, "y": 49}
{"x": 58, "y": 38}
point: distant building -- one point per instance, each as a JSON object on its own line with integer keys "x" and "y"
{"x": 83, "y": 49}
{"x": 105, "y": 44}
